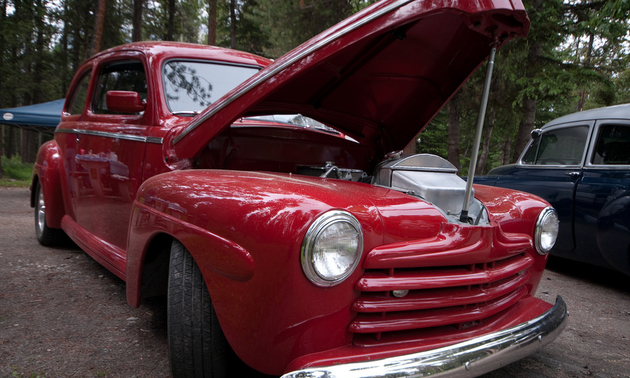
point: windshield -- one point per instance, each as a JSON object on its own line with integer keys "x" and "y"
{"x": 191, "y": 86}
{"x": 300, "y": 120}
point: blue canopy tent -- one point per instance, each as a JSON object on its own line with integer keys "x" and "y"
{"x": 42, "y": 117}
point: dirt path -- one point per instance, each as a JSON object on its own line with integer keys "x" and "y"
{"x": 63, "y": 315}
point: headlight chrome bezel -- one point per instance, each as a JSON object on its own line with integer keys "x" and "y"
{"x": 545, "y": 215}
{"x": 309, "y": 243}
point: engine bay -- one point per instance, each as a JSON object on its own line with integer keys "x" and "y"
{"x": 425, "y": 176}
{"x": 260, "y": 144}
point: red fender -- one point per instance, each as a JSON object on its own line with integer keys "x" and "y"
{"x": 46, "y": 173}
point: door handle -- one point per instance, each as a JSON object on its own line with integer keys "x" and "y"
{"x": 574, "y": 174}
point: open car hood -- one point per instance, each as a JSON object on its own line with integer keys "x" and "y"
{"x": 379, "y": 76}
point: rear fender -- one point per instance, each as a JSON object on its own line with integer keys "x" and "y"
{"x": 46, "y": 173}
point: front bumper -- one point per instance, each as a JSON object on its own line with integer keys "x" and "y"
{"x": 466, "y": 359}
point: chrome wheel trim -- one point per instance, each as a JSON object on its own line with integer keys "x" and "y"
{"x": 41, "y": 212}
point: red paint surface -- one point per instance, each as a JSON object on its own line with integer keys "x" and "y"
{"x": 245, "y": 227}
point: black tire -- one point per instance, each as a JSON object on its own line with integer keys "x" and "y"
{"x": 197, "y": 346}
{"x": 45, "y": 235}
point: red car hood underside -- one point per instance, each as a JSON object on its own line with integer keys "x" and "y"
{"x": 380, "y": 76}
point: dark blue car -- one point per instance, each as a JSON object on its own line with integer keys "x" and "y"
{"x": 580, "y": 164}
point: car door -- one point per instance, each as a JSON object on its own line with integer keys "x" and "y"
{"x": 551, "y": 167}
{"x": 68, "y": 136}
{"x": 601, "y": 199}
{"x": 106, "y": 170}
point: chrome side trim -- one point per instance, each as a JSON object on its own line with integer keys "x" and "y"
{"x": 104, "y": 134}
{"x": 193, "y": 125}
{"x": 467, "y": 359}
{"x": 155, "y": 140}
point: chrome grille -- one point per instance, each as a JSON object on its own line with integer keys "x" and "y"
{"x": 456, "y": 295}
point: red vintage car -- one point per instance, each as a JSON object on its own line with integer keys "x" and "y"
{"x": 307, "y": 249}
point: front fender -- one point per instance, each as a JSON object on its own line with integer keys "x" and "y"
{"x": 517, "y": 212}
{"x": 245, "y": 232}
{"x": 46, "y": 173}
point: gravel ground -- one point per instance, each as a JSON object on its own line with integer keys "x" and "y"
{"x": 63, "y": 315}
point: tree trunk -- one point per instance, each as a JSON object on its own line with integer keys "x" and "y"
{"x": 454, "y": 113}
{"x": 212, "y": 22}
{"x": 528, "y": 120}
{"x": 3, "y": 16}
{"x": 26, "y": 146}
{"x": 485, "y": 147}
{"x": 525, "y": 127}
{"x": 1, "y": 148}
{"x": 39, "y": 53}
{"x": 27, "y": 99}
{"x": 64, "y": 52}
{"x": 505, "y": 154}
{"x": 587, "y": 64}
{"x": 170, "y": 27}
{"x": 233, "y": 24}
{"x": 11, "y": 142}
{"x": 97, "y": 34}
{"x": 76, "y": 49}
{"x": 136, "y": 35}
{"x": 23, "y": 146}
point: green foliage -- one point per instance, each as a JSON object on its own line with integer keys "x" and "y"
{"x": 432, "y": 140}
{"x": 14, "y": 169}
{"x": 575, "y": 57}
{"x": 186, "y": 20}
{"x": 288, "y": 23}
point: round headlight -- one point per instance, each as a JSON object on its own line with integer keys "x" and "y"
{"x": 546, "y": 232}
{"x": 332, "y": 248}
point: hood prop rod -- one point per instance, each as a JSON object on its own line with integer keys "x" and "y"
{"x": 480, "y": 120}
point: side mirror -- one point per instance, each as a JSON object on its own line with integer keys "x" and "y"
{"x": 125, "y": 102}
{"x": 536, "y": 134}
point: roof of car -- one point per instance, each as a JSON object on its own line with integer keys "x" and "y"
{"x": 168, "y": 50}
{"x": 610, "y": 112}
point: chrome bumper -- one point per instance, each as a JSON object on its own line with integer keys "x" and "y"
{"x": 467, "y": 359}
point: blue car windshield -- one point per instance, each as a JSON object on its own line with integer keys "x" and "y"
{"x": 192, "y": 86}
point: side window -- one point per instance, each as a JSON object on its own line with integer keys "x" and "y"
{"x": 612, "y": 146}
{"x": 560, "y": 147}
{"x": 119, "y": 76}
{"x": 530, "y": 155}
{"x": 77, "y": 99}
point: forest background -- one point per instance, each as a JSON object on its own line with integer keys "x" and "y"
{"x": 576, "y": 57}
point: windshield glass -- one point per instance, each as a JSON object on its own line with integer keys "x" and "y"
{"x": 191, "y": 86}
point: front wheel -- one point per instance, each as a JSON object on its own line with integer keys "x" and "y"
{"x": 45, "y": 235}
{"x": 197, "y": 346}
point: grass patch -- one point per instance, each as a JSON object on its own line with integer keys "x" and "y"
{"x": 15, "y": 173}
{"x": 16, "y": 373}
{"x": 11, "y": 183}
